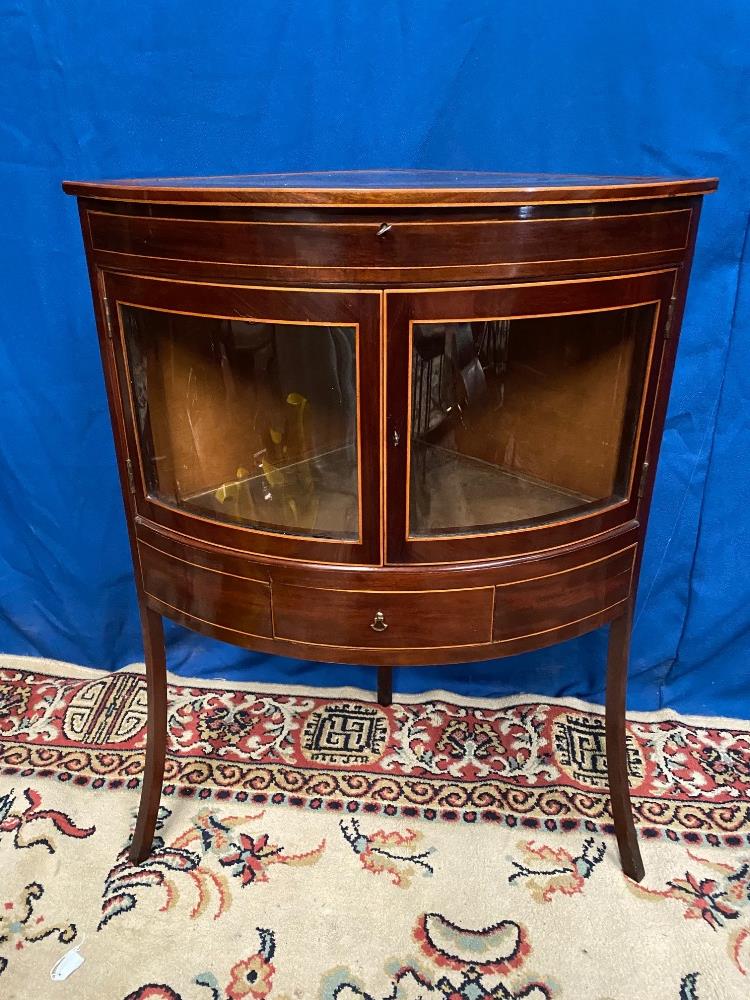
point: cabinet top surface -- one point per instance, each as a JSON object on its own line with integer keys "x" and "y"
{"x": 371, "y": 188}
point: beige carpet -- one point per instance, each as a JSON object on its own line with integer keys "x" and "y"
{"x": 315, "y": 845}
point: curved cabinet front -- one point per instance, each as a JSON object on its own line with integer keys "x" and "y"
{"x": 389, "y": 434}
{"x": 455, "y": 613}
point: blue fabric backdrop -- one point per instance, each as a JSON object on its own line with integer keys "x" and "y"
{"x": 112, "y": 89}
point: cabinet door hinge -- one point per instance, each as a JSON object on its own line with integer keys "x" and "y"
{"x": 131, "y": 480}
{"x": 642, "y": 481}
{"x": 107, "y": 318}
{"x": 670, "y": 318}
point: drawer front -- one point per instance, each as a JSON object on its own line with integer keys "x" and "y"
{"x": 217, "y": 599}
{"x": 381, "y": 620}
{"x": 564, "y": 599}
{"x": 356, "y": 247}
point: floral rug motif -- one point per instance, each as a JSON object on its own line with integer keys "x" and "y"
{"x": 312, "y": 844}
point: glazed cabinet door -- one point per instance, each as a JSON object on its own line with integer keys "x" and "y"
{"x": 518, "y": 416}
{"x": 246, "y": 419}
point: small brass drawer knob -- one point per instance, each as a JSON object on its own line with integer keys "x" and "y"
{"x": 379, "y": 624}
{"x": 383, "y": 228}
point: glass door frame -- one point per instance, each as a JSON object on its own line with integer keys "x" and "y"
{"x": 359, "y": 309}
{"x": 405, "y": 308}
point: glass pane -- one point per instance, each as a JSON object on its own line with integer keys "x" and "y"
{"x": 521, "y": 421}
{"x": 251, "y": 423}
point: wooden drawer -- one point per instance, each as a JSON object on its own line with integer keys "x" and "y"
{"x": 221, "y": 600}
{"x": 355, "y": 246}
{"x": 424, "y": 619}
{"x": 585, "y": 596}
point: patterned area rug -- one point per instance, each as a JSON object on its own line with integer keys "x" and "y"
{"x": 315, "y": 845}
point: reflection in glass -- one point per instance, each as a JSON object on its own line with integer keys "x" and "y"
{"x": 251, "y": 423}
{"x": 523, "y": 421}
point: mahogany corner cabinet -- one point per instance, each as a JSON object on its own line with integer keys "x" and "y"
{"x": 389, "y": 418}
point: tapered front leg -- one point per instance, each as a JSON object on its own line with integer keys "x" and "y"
{"x": 617, "y": 761}
{"x": 156, "y": 681}
{"x": 385, "y": 686}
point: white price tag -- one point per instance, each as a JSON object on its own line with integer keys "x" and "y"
{"x": 67, "y": 965}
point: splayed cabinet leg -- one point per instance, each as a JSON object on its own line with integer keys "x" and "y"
{"x": 385, "y": 686}
{"x": 617, "y": 757}
{"x": 156, "y": 679}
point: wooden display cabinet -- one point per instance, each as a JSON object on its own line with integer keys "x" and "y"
{"x": 389, "y": 418}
